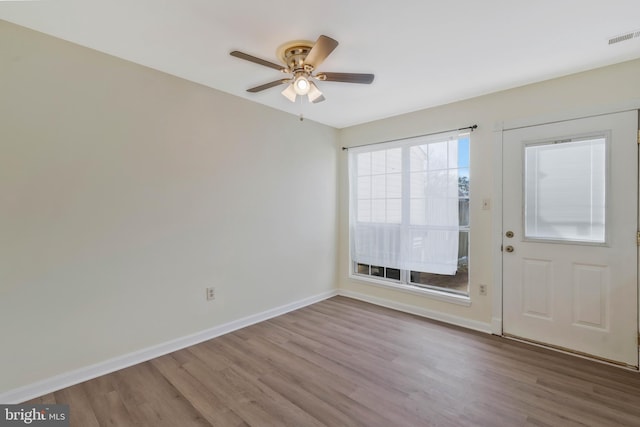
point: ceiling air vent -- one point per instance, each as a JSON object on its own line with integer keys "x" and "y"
{"x": 624, "y": 37}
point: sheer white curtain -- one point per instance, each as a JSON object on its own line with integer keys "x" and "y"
{"x": 376, "y": 206}
{"x": 404, "y": 204}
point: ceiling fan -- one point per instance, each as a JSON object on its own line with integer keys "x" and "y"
{"x": 301, "y": 59}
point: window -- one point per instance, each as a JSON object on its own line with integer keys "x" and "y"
{"x": 565, "y": 183}
{"x": 409, "y": 212}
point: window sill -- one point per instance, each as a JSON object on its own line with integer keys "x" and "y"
{"x": 428, "y": 293}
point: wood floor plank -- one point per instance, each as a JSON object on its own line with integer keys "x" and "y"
{"x": 106, "y": 403}
{"x": 209, "y": 405}
{"x": 46, "y": 399}
{"x": 147, "y": 393}
{"x": 80, "y": 411}
{"x": 343, "y": 362}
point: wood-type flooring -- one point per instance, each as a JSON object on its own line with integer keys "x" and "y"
{"x": 343, "y": 362}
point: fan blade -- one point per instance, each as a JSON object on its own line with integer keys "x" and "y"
{"x": 346, "y": 77}
{"x": 319, "y": 52}
{"x": 319, "y": 99}
{"x": 250, "y": 58}
{"x": 267, "y": 85}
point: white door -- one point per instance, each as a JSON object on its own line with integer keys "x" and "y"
{"x": 570, "y": 253}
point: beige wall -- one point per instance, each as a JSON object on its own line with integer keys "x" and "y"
{"x": 124, "y": 192}
{"x": 593, "y": 89}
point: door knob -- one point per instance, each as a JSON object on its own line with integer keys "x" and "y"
{"x": 509, "y": 234}
{"x": 509, "y": 249}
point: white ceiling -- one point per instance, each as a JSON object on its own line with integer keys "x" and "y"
{"x": 423, "y": 52}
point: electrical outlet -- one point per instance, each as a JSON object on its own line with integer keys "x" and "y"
{"x": 483, "y": 289}
{"x": 211, "y": 294}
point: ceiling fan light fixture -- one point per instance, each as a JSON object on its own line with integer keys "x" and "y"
{"x": 301, "y": 58}
{"x": 301, "y": 85}
{"x": 290, "y": 93}
{"x": 314, "y": 92}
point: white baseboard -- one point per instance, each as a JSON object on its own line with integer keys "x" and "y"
{"x": 496, "y": 326}
{"x": 77, "y": 376}
{"x": 420, "y": 311}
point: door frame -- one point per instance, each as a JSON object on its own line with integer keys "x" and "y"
{"x": 497, "y": 220}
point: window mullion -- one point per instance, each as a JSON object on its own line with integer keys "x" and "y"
{"x": 406, "y": 201}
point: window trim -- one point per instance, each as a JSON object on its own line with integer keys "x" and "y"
{"x": 404, "y": 284}
{"x": 464, "y": 300}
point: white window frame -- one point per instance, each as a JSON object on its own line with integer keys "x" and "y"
{"x": 404, "y": 284}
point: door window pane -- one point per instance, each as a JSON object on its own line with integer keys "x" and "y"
{"x": 565, "y": 190}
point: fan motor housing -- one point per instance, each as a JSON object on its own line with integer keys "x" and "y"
{"x": 292, "y": 54}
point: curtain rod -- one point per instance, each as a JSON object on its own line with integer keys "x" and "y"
{"x": 471, "y": 128}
